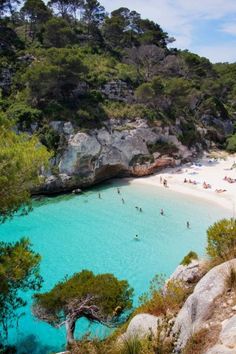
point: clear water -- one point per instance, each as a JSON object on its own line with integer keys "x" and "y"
{"x": 84, "y": 232}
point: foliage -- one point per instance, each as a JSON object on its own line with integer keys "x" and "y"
{"x": 101, "y": 298}
{"x": 23, "y": 114}
{"x": 19, "y": 272}
{"x": 231, "y": 144}
{"x": 162, "y": 147}
{"x": 162, "y": 297}
{"x": 21, "y": 158}
{"x": 189, "y": 258}
{"x": 57, "y": 33}
{"x": 221, "y": 239}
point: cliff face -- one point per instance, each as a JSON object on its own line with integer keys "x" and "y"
{"x": 129, "y": 149}
{"x": 119, "y": 148}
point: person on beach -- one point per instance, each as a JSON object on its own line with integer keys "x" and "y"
{"x": 160, "y": 179}
{"x": 162, "y": 212}
{"x": 188, "y": 225}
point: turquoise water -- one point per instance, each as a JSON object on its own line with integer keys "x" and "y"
{"x": 84, "y": 232}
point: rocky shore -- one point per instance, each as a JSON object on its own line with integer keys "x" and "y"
{"x": 117, "y": 149}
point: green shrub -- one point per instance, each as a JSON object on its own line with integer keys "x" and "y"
{"x": 188, "y": 258}
{"x": 231, "y": 279}
{"x": 231, "y": 144}
{"x": 24, "y": 114}
{"x": 221, "y": 239}
{"x": 162, "y": 147}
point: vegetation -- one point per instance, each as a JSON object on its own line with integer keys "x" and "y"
{"x": 99, "y": 298}
{"x": 19, "y": 272}
{"x": 163, "y": 297}
{"x": 189, "y": 258}
{"x": 21, "y": 158}
{"x": 221, "y": 240}
{"x": 60, "y": 56}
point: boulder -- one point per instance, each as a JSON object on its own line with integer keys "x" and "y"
{"x": 227, "y": 338}
{"x": 188, "y": 273}
{"x": 199, "y": 306}
{"x": 141, "y": 326}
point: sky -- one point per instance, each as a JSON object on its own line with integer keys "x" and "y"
{"x": 205, "y": 27}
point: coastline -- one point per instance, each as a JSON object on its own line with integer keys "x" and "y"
{"x": 206, "y": 170}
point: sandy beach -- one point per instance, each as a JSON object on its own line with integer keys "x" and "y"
{"x": 210, "y": 170}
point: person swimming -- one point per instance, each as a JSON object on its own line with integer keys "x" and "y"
{"x": 99, "y": 196}
{"x": 136, "y": 238}
{"x": 118, "y": 190}
{"x": 141, "y": 210}
{"x": 162, "y": 212}
{"x": 188, "y": 225}
{"x": 123, "y": 201}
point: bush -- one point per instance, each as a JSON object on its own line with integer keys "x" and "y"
{"x": 189, "y": 258}
{"x": 24, "y": 114}
{"x": 158, "y": 301}
{"x": 221, "y": 239}
{"x": 231, "y": 144}
{"x": 231, "y": 279}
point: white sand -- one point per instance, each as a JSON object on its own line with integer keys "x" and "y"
{"x": 212, "y": 173}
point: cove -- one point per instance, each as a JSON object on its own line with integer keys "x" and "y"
{"x": 85, "y": 232}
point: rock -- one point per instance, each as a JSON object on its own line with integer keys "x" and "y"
{"x": 234, "y": 308}
{"x": 200, "y": 304}
{"x": 119, "y": 148}
{"x": 141, "y": 325}
{"x": 77, "y": 191}
{"x": 68, "y": 128}
{"x": 189, "y": 273}
{"x": 227, "y": 338}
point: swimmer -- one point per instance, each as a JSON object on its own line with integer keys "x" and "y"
{"x": 99, "y": 196}
{"x": 136, "y": 207}
{"x": 118, "y": 190}
{"x": 162, "y": 212}
{"x": 123, "y": 201}
{"x": 140, "y": 209}
{"x": 188, "y": 225}
{"x": 136, "y": 238}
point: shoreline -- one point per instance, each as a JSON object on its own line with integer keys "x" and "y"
{"x": 206, "y": 170}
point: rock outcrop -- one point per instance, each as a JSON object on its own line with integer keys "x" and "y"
{"x": 141, "y": 326}
{"x": 199, "y": 306}
{"x": 227, "y": 338}
{"x": 117, "y": 149}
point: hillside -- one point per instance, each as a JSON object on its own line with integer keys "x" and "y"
{"x": 106, "y": 94}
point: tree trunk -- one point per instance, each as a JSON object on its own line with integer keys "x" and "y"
{"x": 70, "y": 328}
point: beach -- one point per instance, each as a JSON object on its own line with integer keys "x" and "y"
{"x": 189, "y": 179}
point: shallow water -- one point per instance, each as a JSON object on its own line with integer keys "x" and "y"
{"x": 84, "y": 232}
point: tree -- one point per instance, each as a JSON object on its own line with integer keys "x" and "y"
{"x": 93, "y": 14}
{"x": 55, "y": 76}
{"x": 221, "y": 239}
{"x": 61, "y": 6}
{"x": 99, "y": 298}
{"x": 121, "y": 28}
{"x": 19, "y": 272}
{"x": 58, "y": 33}
{"x": 146, "y": 58}
{"x": 36, "y": 13}
{"x": 21, "y": 158}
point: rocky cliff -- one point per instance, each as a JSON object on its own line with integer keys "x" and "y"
{"x": 209, "y": 311}
{"x": 118, "y": 148}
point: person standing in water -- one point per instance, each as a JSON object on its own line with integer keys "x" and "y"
{"x": 162, "y": 212}
{"x": 136, "y": 238}
{"x": 99, "y": 196}
{"x": 118, "y": 190}
{"x": 123, "y": 201}
{"x": 188, "y": 225}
